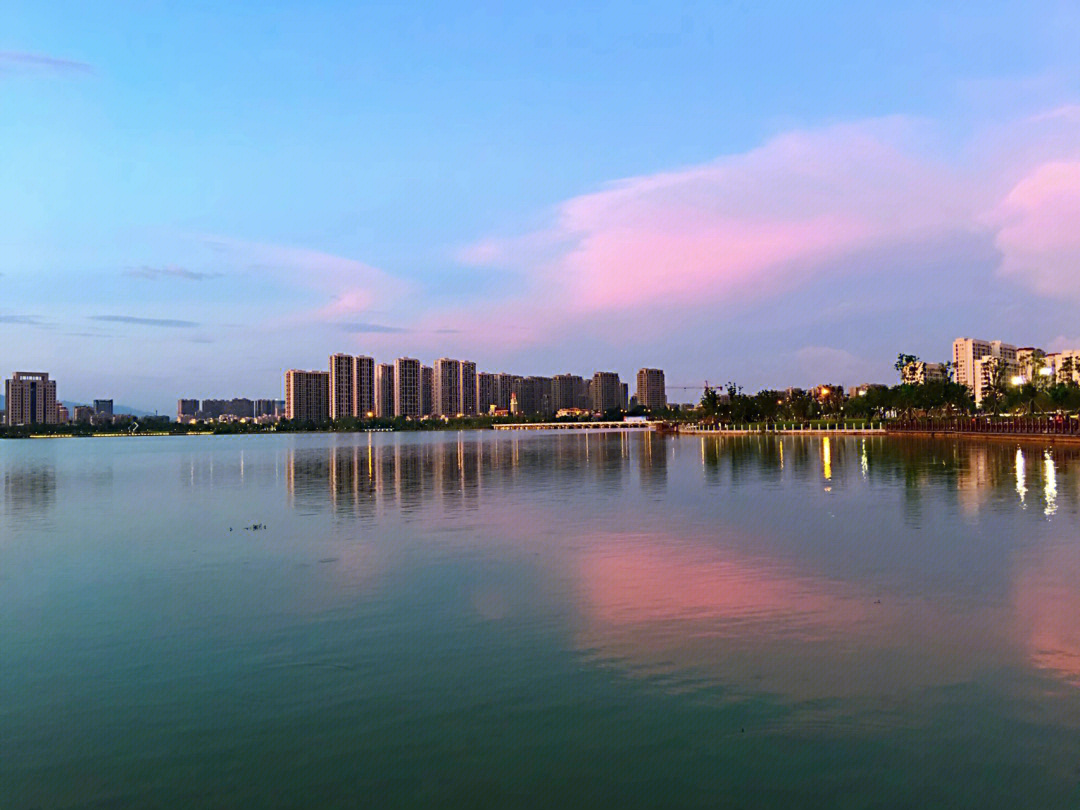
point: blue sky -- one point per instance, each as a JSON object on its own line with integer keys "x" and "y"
{"x": 194, "y": 198}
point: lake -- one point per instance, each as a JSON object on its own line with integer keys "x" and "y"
{"x": 499, "y": 620}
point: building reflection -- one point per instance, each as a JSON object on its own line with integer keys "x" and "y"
{"x": 29, "y": 491}
{"x": 412, "y": 472}
{"x": 977, "y": 473}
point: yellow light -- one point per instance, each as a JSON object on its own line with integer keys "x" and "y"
{"x": 1046, "y": 372}
{"x": 1017, "y": 380}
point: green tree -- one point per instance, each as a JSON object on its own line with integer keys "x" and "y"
{"x": 710, "y": 404}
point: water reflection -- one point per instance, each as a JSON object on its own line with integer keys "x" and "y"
{"x": 29, "y": 489}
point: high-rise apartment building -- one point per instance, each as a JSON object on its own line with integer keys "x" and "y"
{"x": 103, "y": 407}
{"x": 467, "y": 387}
{"x": 446, "y": 396}
{"x": 265, "y": 407}
{"x": 965, "y": 352}
{"x": 31, "y": 399}
{"x": 384, "y": 390}
{"x": 568, "y": 391}
{"x": 342, "y": 386}
{"x": 186, "y": 409}
{"x": 980, "y": 362}
{"x": 504, "y": 387}
{"x": 307, "y": 395}
{"x": 651, "y": 392}
{"x": 427, "y": 390}
{"x": 364, "y": 379}
{"x": 606, "y": 391}
{"x": 485, "y": 392}
{"x": 407, "y": 387}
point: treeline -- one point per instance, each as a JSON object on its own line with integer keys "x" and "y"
{"x": 932, "y": 398}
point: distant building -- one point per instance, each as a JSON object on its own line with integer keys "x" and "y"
{"x": 364, "y": 379}
{"x": 485, "y": 392}
{"x": 84, "y": 414}
{"x": 427, "y": 390}
{"x": 407, "y": 387}
{"x": 865, "y": 388}
{"x": 919, "y": 373}
{"x": 606, "y": 391}
{"x": 504, "y": 387}
{"x": 186, "y": 409}
{"x": 1065, "y": 365}
{"x": 446, "y": 397}
{"x": 384, "y": 390}
{"x": 467, "y": 387}
{"x": 979, "y": 363}
{"x": 240, "y": 407}
{"x": 31, "y": 399}
{"x": 651, "y": 390}
{"x": 307, "y": 395}
{"x": 568, "y": 392}
{"x": 103, "y": 407}
{"x": 342, "y": 386}
{"x": 62, "y": 415}
{"x": 265, "y": 407}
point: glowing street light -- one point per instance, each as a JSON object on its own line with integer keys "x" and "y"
{"x": 1017, "y": 380}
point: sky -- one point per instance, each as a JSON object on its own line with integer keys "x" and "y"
{"x": 195, "y": 197}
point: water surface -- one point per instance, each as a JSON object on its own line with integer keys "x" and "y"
{"x": 538, "y": 620}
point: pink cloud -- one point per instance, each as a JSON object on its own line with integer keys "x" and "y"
{"x": 748, "y": 224}
{"x": 351, "y": 286}
{"x": 1039, "y": 229}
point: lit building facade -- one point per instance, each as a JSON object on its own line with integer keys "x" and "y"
{"x": 384, "y": 390}
{"x": 407, "y": 387}
{"x": 30, "y": 399}
{"x": 467, "y": 387}
{"x": 427, "y": 390}
{"x": 446, "y": 394}
{"x": 364, "y": 378}
{"x": 485, "y": 392}
{"x": 605, "y": 391}
{"x": 651, "y": 390}
{"x": 342, "y": 386}
{"x": 307, "y": 395}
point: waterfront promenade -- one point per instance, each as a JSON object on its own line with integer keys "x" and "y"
{"x": 641, "y": 425}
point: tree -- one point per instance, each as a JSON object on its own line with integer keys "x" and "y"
{"x": 710, "y": 403}
{"x": 902, "y": 362}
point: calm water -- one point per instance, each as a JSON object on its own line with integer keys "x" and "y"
{"x": 497, "y": 620}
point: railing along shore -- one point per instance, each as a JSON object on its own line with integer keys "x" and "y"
{"x": 1057, "y": 425}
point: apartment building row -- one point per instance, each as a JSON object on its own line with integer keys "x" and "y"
{"x": 188, "y": 410}
{"x": 358, "y": 387}
{"x": 979, "y": 363}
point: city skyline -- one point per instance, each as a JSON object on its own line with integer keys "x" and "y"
{"x": 763, "y": 194}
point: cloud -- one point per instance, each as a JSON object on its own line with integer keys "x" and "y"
{"x": 167, "y": 322}
{"x": 22, "y": 62}
{"x": 26, "y": 320}
{"x": 1039, "y": 235}
{"x": 751, "y": 224}
{"x": 360, "y": 327}
{"x": 351, "y": 286}
{"x": 170, "y": 271}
